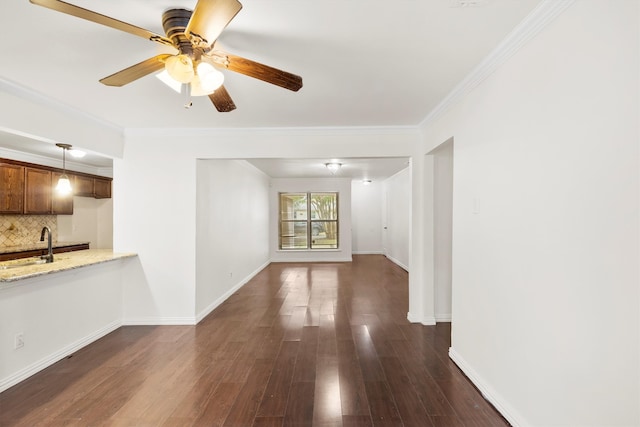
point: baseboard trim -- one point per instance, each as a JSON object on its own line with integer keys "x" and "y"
{"x": 367, "y": 253}
{"x": 204, "y": 313}
{"x": 427, "y": 321}
{"x": 159, "y": 321}
{"x": 443, "y": 317}
{"x": 398, "y": 263}
{"x": 34, "y": 368}
{"x": 510, "y": 414}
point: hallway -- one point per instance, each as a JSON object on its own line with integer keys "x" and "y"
{"x": 318, "y": 344}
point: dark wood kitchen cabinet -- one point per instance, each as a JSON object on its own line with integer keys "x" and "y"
{"x": 85, "y": 186}
{"x": 27, "y": 188}
{"x": 82, "y": 186}
{"x": 102, "y": 188}
{"x": 37, "y": 191}
{"x": 11, "y": 188}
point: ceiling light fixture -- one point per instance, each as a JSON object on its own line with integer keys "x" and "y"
{"x": 78, "y": 154}
{"x": 64, "y": 185}
{"x": 194, "y": 79}
{"x": 333, "y": 167}
{"x": 366, "y": 182}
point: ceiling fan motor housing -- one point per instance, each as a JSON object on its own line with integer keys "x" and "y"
{"x": 174, "y": 23}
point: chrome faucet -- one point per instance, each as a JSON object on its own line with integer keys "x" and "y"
{"x": 49, "y": 255}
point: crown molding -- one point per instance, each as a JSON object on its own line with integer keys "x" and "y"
{"x": 38, "y": 159}
{"x": 346, "y": 130}
{"x": 531, "y": 26}
{"x": 13, "y": 88}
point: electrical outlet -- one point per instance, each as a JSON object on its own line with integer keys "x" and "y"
{"x": 19, "y": 341}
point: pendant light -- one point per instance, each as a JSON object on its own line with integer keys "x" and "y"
{"x": 64, "y": 185}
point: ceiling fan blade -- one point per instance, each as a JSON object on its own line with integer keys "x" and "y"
{"x": 263, "y": 72}
{"x": 222, "y": 100}
{"x": 134, "y": 72}
{"x": 208, "y": 20}
{"x": 98, "y": 18}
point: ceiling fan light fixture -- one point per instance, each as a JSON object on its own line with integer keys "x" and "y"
{"x": 198, "y": 88}
{"x": 180, "y": 68}
{"x": 165, "y": 78}
{"x": 210, "y": 78}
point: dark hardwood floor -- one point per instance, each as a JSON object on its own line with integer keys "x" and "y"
{"x": 323, "y": 344}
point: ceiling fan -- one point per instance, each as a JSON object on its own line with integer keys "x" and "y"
{"x": 193, "y": 70}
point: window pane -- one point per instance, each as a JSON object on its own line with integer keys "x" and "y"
{"x": 324, "y": 234}
{"x": 324, "y": 206}
{"x": 293, "y": 235}
{"x": 293, "y": 206}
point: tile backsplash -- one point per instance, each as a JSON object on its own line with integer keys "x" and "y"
{"x": 18, "y": 230}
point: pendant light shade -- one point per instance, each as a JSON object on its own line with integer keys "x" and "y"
{"x": 64, "y": 184}
{"x": 180, "y": 68}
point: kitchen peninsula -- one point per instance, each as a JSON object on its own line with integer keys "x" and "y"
{"x": 63, "y": 262}
{"x": 50, "y": 310}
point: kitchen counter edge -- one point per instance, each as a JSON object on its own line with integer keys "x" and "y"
{"x": 64, "y": 262}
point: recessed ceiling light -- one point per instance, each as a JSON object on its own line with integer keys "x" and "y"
{"x": 333, "y": 167}
{"x": 467, "y": 3}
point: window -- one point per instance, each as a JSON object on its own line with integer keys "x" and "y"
{"x": 308, "y": 220}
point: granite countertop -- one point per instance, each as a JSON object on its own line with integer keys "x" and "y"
{"x": 61, "y": 262}
{"x": 37, "y": 246}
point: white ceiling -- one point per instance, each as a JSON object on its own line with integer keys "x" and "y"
{"x": 355, "y": 168}
{"x": 363, "y": 62}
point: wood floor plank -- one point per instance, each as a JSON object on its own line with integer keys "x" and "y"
{"x": 384, "y": 411}
{"x": 353, "y": 395}
{"x": 274, "y": 401}
{"x": 356, "y": 421}
{"x": 218, "y": 405}
{"x": 327, "y": 407}
{"x": 268, "y": 422}
{"x": 301, "y": 344}
{"x": 406, "y": 399}
{"x": 300, "y": 405}
{"x": 305, "y": 369}
{"x": 248, "y": 400}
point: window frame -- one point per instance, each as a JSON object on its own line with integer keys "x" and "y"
{"x": 308, "y": 220}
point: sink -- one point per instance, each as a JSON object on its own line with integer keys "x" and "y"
{"x": 17, "y": 263}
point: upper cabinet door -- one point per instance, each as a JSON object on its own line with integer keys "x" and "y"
{"x": 83, "y": 186}
{"x": 102, "y": 188}
{"x": 11, "y": 188}
{"x": 37, "y": 196}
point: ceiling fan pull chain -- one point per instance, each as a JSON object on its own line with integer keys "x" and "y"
{"x": 186, "y": 90}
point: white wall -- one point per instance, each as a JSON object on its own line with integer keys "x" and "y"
{"x": 92, "y": 221}
{"x": 443, "y": 229}
{"x": 397, "y": 190}
{"x": 57, "y": 314}
{"x": 366, "y": 217}
{"x": 545, "y": 269}
{"x": 340, "y": 185}
{"x": 155, "y": 200}
{"x": 232, "y": 229}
